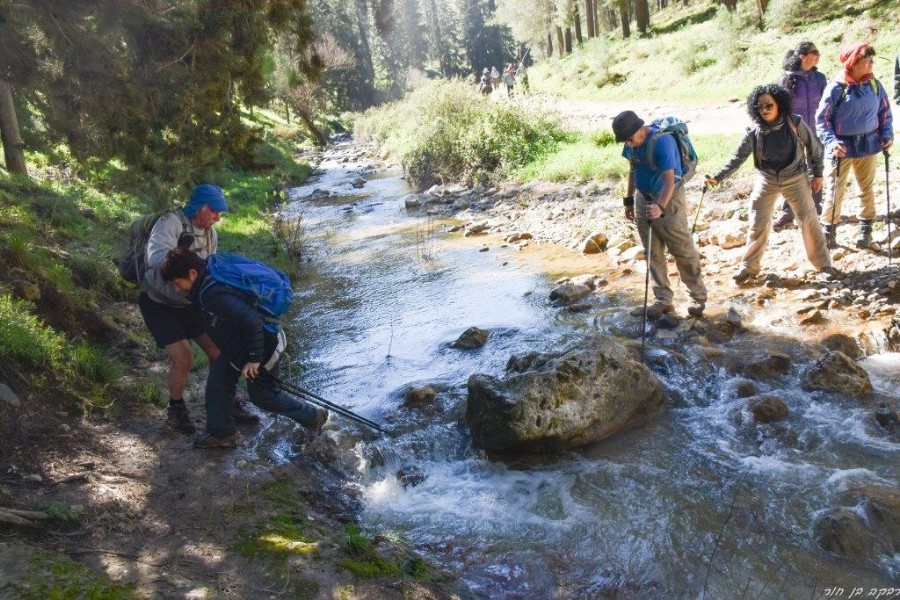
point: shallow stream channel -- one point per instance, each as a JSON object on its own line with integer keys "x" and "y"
{"x": 697, "y": 503}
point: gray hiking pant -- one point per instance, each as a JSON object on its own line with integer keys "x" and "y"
{"x": 798, "y": 194}
{"x": 671, "y": 233}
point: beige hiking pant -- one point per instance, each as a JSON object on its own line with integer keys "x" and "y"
{"x": 798, "y": 194}
{"x": 864, "y": 169}
{"x": 670, "y": 232}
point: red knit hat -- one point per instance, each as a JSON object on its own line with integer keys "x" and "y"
{"x": 851, "y": 54}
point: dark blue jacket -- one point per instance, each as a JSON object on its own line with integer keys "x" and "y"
{"x": 237, "y": 329}
{"x": 860, "y": 118}
{"x": 807, "y": 92}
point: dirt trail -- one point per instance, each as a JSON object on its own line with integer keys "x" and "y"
{"x": 585, "y": 115}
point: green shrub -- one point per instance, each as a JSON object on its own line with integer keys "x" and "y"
{"x": 93, "y": 364}
{"x": 446, "y": 130}
{"x": 25, "y": 337}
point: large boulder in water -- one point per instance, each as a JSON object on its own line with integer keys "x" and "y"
{"x": 869, "y": 529}
{"x": 561, "y": 400}
{"x": 837, "y": 372}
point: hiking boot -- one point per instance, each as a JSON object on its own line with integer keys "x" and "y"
{"x": 830, "y": 236}
{"x": 178, "y": 418}
{"x": 654, "y": 311}
{"x": 864, "y": 240}
{"x": 745, "y": 275}
{"x": 212, "y": 441}
{"x": 784, "y": 221}
{"x": 242, "y": 413}
{"x": 318, "y": 421}
{"x": 696, "y": 309}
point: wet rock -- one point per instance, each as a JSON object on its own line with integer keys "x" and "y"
{"x": 836, "y": 340}
{"x": 590, "y": 280}
{"x": 667, "y": 321}
{"x": 595, "y": 244}
{"x": 509, "y": 577}
{"x": 766, "y": 367}
{"x": 517, "y": 237}
{"x": 358, "y": 182}
{"x": 568, "y": 293}
{"x": 411, "y": 475}
{"x": 844, "y": 533}
{"x": 579, "y": 307}
{"x": 8, "y": 396}
{"x": 767, "y": 409}
{"x": 471, "y": 338}
{"x": 412, "y": 202}
{"x": 418, "y": 396}
{"x": 836, "y": 372}
{"x": 871, "y": 528}
{"x": 476, "y": 229}
{"x": 733, "y": 319}
{"x": 744, "y": 388}
{"x": 887, "y": 418}
{"x": 562, "y": 400}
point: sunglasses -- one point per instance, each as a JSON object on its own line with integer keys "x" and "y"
{"x": 765, "y": 107}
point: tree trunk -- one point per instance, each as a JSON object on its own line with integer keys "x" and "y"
{"x": 549, "y": 44}
{"x": 578, "y": 36}
{"x": 761, "y": 6}
{"x": 320, "y": 140}
{"x": 13, "y": 149}
{"x": 589, "y": 13}
{"x": 642, "y": 16}
{"x": 560, "y": 43}
{"x": 624, "y": 17}
{"x": 568, "y": 40}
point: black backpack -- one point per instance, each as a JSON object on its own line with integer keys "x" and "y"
{"x": 134, "y": 262}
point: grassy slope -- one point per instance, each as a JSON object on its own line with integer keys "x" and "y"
{"x": 720, "y": 57}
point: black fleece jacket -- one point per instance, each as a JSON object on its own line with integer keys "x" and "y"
{"x": 237, "y": 329}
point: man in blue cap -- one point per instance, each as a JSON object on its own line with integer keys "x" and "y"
{"x": 171, "y": 318}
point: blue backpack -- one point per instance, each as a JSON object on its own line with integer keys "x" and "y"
{"x": 269, "y": 289}
{"x": 679, "y": 130}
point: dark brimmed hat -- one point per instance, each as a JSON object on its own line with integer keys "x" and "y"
{"x": 626, "y": 124}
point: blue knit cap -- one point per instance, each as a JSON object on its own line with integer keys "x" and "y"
{"x": 207, "y": 194}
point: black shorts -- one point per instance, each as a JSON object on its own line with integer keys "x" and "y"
{"x": 168, "y": 325}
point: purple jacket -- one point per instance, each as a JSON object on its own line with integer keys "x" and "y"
{"x": 806, "y": 94}
{"x": 859, "y": 118}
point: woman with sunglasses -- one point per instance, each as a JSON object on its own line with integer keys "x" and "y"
{"x": 855, "y": 124}
{"x": 782, "y": 145}
{"x": 806, "y": 84}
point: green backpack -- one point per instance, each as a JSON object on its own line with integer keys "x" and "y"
{"x": 134, "y": 262}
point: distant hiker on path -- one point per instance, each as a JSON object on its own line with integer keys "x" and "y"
{"x": 484, "y": 86}
{"x": 805, "y": 84}
{"x": 782, "y": 145}
{"x": 168, "y": 314}
{"x": 855, "y": 124}
{"x": 656, "y": 198}
{"x": 248, "y": 348}
{"x": 509, "y": 79}
{"x": 495, "y": 78}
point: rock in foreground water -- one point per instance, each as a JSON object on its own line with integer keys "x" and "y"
{"x": 562, "y": 400}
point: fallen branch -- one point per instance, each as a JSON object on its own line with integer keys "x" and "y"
{"x": 25, "y": 518}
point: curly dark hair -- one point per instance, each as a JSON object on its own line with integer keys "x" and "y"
{"x": 179, "y": 262}
{"x": 781, "y": 96}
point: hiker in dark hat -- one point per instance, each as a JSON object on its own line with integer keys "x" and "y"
{"x": 656, "y": 199}
{"x": 170, "y": 317}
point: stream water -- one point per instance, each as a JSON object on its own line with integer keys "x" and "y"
{"x": 696, "y": 504}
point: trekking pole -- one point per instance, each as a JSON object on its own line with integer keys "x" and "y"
{"x": 646, "y": 286}
{"x": 316, "y": 399}
{"x": 699, "y": 204}
{"x": 887, "y": 193}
